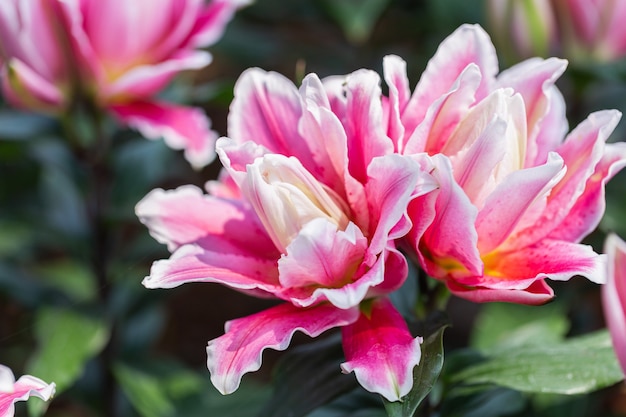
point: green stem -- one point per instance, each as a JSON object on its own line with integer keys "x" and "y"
{"x": 84, "y": 127}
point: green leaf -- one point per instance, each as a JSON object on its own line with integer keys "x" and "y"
{"x": 307, "y": 377}
{"x": 503, "y": 326}
{"x": 576, "y": 366}
{"x": 73, "y": 278}
{"x": 424, "y": 376}
{"x": 357, "y": 18}
{"x": 67, "y": 341}
{"x": 358, "y": 403}
{"x": 17, "y": 125}
{"x": 146, "y": 392}
{"x": 493, "y": 402}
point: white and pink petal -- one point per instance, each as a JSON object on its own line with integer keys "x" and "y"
{"x": 26, "y": 386}
{"x": 240, "y": 350}
{"x": 181, "y": 127}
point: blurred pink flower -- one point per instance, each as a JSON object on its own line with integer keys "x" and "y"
{"x": 523, "y": 29}
{"x": 309, "y": 216}
{"x": 118, "y": 54}
{"x": 12, "y": 391}
{"x": 520, "y": 195}
{"x": 593, "y": 28}
{"x": 614, "y": 296}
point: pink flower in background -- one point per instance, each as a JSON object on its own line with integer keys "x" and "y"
{"x": 118, "y": 54}
{"x": 520, "y": 195}
{"x": 12, "y": 391}
{"x": 309, "y": 215}
{"x": 614, "y": 295}
{"x": 523, "y": 29}
{"x": 593, "y": 28}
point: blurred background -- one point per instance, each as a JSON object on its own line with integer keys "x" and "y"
{"x": 115, "y": 348}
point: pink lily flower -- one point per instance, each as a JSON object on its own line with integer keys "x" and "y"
{"x": 116, "y": 54}
{"x": 12, "y": 391}
{"x": 519, "y": 195}
{"x": 308, "y": 214}
{"x": 593, "y": 28}
{"x": 614, "y": 296}
{"x": 523, "y": 29}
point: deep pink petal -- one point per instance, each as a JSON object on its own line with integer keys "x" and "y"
{"x": 448, "y": 247}
{"x": 321, "y": 262}
{"x": 12, "y": 391}
{"x": 614, "y": 295}
{"x": 512, "y": 198}
{"x": 181, "y": 127}
{"x": 211, "y": 23}
{"x": 380, "y": 350}
{"x": 582, "y": 151}
{"x": 535, "y": 294}
{"x": 395, "y": 271}
{"x": 469, "y": 44}
{"x": 214, "y": 263}
{"x": 239, "y": 351}
{"x": 186, "y": 215}
{"x": 553, "y": 259}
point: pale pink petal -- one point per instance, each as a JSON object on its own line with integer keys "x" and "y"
{"x": 469, "y": 44}
{"x": 535, "y": 294}
{"x": 614, "y": 295}
{"x": 534, "y": 79}
{"x": 324, "y": 135}
{"x": 322, "y": 262}
{"x": 393, "y": 181}
{"x": 449, "y": 244}
{"x": 240, "y": 350}
{"x": 266, "y": 109}
{"x": 394, "y": 69}
{"x": 86, "y": 67}
{"x": 181, "y": 127}
{"x": 363, "y": 122}
{"x": 224, "y": 187}
{"x": 380, "y": 350}
{"x": 334, "y": 86}
{"x": 26, "y": 88}
{"x": 27, "y": 34}
{"x": 12, "y": 391}
{"x": 143, "y": 81}
{"x": 511, "y": 199}
{"x": 553, "y": 128}
{"x": 186, "y": 215}
{"x": 443, "y": 115}
{"x": 475, "y": 166}
{"x": 121, "y": 32}
{"x": 236, "y": 156}
{"x": 586, "y": 214}
{"x": 214, "y": 263}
